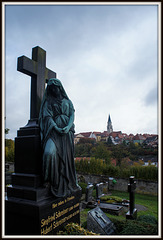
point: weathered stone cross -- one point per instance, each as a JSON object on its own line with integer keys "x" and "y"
{"x": 36, "y": 68}
{"x": 99, "y": 215}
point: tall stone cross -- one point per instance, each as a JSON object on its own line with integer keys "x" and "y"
{"x": 36, "y": 68}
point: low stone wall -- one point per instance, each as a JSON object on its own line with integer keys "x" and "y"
{"x": 142, "y": 186}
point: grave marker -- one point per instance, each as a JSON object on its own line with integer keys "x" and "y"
{"x": 132, "y": 213}
{"x": 111, "y": 208}
{"x": 99, "y": 223}
{"x": 89, "y": 191}
{"x": 36, "y": 68}
{"x": 99, "y": 190}
{"x": 30, "y": 209}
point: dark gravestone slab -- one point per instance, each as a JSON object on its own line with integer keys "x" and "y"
{"x": 112, "y": 208}
{"x": 89, "y": 191}
{"x": 132, "y": 213}
{"x": 99, "y": 223}
{"x": 41, "y": 217}
{"x": 99, "y": 190}
{"x": 89, "y": 202}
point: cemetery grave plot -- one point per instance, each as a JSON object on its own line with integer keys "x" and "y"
{"x": 106, "y": 207}
{"x": 30, "y": 208}
{"x": 145, "y": 205}
{"x": 117, "y": 207}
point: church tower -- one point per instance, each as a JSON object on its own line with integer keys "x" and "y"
{"x": 109, "y": 125}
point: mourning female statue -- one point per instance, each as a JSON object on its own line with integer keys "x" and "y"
{"x": 57, "y": 136}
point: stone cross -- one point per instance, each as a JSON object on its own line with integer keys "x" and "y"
{"x": 99, "y": 215}
{"x": 36, "y": 68}
{"x": 131, "y": 190}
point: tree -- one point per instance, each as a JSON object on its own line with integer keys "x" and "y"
{"x": 9, "y": 150}
{"x": 7, "y": 130}
{"x": 109, "y": 141}
{"x": 101, "y": 152}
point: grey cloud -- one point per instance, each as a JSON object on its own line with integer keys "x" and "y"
{"x": 152, "y": 97}
{"x": 89, "y": 48}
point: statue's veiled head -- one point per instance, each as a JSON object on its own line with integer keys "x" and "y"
{"x": 55, "y": 88}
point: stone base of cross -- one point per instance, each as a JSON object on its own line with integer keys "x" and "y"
{"x": 133, "y": 215}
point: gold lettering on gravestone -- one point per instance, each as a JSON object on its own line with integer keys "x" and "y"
{"x": 54, "y": 205}
{"x": 60, "y": 203}
{"x": 70, "y": 198}
{"x": 52, "y": 219}
{"x": 47, "y": 229}
{"x": 48, "y": 220}
{"x": 58, "y": 223}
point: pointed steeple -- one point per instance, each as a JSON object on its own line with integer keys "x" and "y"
{"x": 109, "y": 125}
{"x": 109, "y": 120}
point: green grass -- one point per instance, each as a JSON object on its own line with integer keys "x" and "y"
{"x": 148, "y": 201}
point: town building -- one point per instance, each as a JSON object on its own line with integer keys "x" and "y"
{"x": 117, "y": 137}
{"x": 109, "y": 125}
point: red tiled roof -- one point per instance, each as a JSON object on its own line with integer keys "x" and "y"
{"x": 96, "y": 133}
{"x": 86, "y": 134}
{"x": 115, "y": 134}
{"x": 131, "y": 135}
{"x": 120, "y": 136}
{"x": 113, "y": 161}
{"x": 139, "y": 137}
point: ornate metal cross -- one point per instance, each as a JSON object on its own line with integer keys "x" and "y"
{"x": 36, "y": 68}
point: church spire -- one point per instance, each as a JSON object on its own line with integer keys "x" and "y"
{"x": 109, "y": 125}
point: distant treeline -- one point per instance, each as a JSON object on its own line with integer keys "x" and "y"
{"x": 105, "y": 150}
{"x": 99, "y": 167}
{"x": 102, "y": 153}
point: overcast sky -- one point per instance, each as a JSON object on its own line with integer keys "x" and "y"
{"x": 105, "y": 57}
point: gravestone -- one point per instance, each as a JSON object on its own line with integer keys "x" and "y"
{"x": 99, "y": 223}
{"x": 99, "y": 190}
{"x": 132, "y": 213}
{"x": 89, "y": 191}
{"x": 89, "y": 202}
{"x": 30, "y": 209}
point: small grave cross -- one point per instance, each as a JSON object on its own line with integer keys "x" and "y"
{"x": 99, "y": 215}
{"x": 36, "y": 68}
{"x": 131, "y": 190}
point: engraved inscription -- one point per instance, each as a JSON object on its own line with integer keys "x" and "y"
{"x": 53, "y": 221}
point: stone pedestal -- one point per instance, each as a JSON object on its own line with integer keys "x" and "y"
{"x": 30, "y": 209}
{"x": 132, "y": 215}
{"x": 40, "y": 216}
{"x": 28, "y": 149}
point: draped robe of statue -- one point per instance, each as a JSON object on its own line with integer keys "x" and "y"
{"x": 57, "y": 137}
